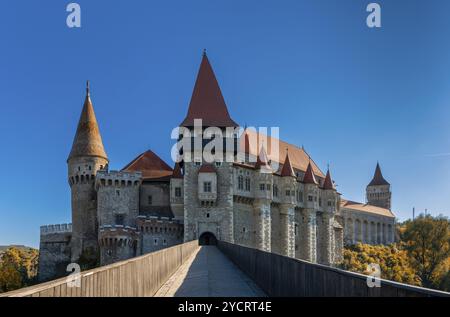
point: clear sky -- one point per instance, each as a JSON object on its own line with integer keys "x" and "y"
{"x": 351, "y": 95}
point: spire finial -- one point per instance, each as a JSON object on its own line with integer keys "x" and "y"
{"x": 204, "y": 52}
{"x": 88, "y": 92}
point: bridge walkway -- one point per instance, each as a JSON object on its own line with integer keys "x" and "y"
{"x": 209, "y": 273}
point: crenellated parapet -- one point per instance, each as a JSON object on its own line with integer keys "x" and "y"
{"x": 118, "y": 179}
{"x": 58, "y": 228}
{"x": 118, "y": 197}
{"x": 117, "y": 243}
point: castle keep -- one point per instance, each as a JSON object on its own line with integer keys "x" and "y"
{"x": 271, "y": 196}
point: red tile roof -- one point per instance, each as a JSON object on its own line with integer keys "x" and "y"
{"x": 177, "y": 171}
{"x": 207, "y": 102}
{"x": 309, "y": 177}
{"x": 298, "y": 157}
{"x": 360, "y": 207}
{"x": 378, "y": 178}
{"x": 207, "y": 168}
{"x": 262, "y": 161}
{"x": 151, "y": 166}
{"x": 87, "y": 141}
{"x": 328, "y": 183}
{"x": 287, "y": 169}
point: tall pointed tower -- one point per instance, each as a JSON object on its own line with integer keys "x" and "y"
{"x": 378, "y": 192}
{"x": 85, "y": 159}
{"x": 208, "y": 190}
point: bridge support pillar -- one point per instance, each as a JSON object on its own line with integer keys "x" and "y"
{"x": 287, "y": 230}
{"x": 263, "y": 224}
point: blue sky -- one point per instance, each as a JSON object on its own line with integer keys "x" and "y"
{"x": 351, "y": 95}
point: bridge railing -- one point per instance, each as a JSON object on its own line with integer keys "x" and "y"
{"x": 279, "y": 275}
{"x": 141, "y": 276}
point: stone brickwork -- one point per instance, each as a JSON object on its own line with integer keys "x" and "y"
{"x": 54, "y": 251}
{"x": 82, "y": 173}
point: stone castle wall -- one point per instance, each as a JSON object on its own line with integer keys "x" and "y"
{"x": 54, "y": 251}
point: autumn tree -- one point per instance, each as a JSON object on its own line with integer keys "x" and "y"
{"x": 18, "y": 268}
{"x": 427, "y": 241}
{"x": 393, "y": 261}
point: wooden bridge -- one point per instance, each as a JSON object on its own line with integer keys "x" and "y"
{"x": 225, "y": 270}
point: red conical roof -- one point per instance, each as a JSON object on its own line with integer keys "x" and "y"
{"x": 262, "y": 161}
{"x": 378, "y": 178}
{"x": 177, "y": 171}
{"x": 287, "y": 169}
{"x": 309, "y": 177}
{"x": 207, "y": 102}
{"x": 328, "y": 183}
{"x": 87, "y": 141}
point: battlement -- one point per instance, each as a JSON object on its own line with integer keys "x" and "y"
{"x": 59, "y": 228}
{"x": 117, "y": 228}
{"x": 118, "y": 178}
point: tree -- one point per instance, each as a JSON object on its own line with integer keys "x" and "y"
{"x": 18, "y": 268}
{"x": 427, "y": 241}
{"x": 393, "y": 261}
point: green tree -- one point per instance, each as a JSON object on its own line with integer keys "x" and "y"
{"x": 427, "y": 241}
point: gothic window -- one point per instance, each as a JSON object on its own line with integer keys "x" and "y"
{"x": 218, "y": 164}
{"x": 262, "y": 187}
{"x": 247, "y": 184}
{"x": 310, "y": 198}
{"x": 288, "y": 193}
{"x": 240, "y": 182}
{"x": 330, "y": 203}
{"x": 275, "y": 190}
{"x": 177, "y": 191}
{"x": 150, "y": 200}
{"x": 207, "y": 187}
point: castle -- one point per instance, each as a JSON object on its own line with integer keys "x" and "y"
{"x": 273, "y": 199}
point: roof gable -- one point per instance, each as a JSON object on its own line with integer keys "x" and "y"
{"x": 151, "y": 166}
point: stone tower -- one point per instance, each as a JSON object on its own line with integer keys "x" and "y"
{"x": 207, "y": 186}
{"x": 378, "y": 192}
{"x": 85, "y": 159}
